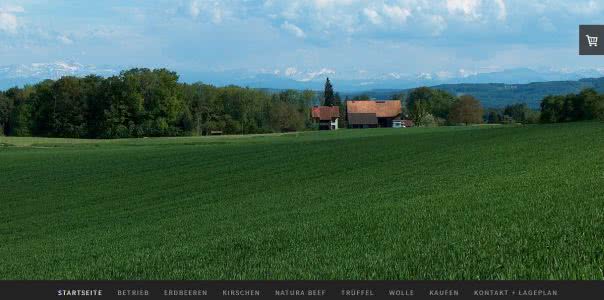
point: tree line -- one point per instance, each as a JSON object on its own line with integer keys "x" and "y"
{"x": 433, "y": 107}
{"x": 144, "y": 102}
{"x": 586, "y": 105}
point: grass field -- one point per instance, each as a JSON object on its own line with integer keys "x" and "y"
{"x": 517, "y": 202}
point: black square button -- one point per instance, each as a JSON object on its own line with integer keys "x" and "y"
{"x": 591, "y": 39}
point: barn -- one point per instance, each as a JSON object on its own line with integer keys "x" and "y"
{"x": 326, "y": 116}
{"x": 373, "y": 113}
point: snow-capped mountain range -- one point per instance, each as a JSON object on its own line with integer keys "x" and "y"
{"x": 295, "y": 78}
{"x": 17, "y": 75}
{"x": 52, "y": 70}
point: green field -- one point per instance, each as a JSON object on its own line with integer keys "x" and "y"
{"x": 504, "y": 202}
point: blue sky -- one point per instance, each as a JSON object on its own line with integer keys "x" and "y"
{"x": 346, "y": 37}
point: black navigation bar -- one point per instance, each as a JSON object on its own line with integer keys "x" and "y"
{"x": 302, "y": 289}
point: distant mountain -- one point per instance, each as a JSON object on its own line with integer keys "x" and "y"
{"x": 350, "y": 81}
{"x": 359, "y": 82}
{"x": 494, "y": 89}
{"x": 18, "y": 75}
{"x": 500, "y": 94}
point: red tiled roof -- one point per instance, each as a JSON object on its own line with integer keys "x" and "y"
{"x": 325, "y": 113}
{"x": 381, "y": 108}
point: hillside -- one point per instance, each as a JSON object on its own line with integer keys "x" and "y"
{"x": 492, "y": 202}
{"x": 499, "y": 94}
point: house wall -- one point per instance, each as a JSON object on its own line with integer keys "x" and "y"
{"x": 328, "y": 125}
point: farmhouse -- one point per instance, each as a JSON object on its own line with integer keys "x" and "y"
{"x": 326, "y": 116}
{"x": 375, "y": 113}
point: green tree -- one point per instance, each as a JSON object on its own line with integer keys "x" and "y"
{"x": 307, "y": 98}
{"x": 592, "y": 105}
{"x": 162, "y": 99}
{"x": 91, "y": 91}
{"x": 552, "y": 109}
{"x": 20, "y": 119}
{"x": 494, "y": 116}
{"x": 466, "y": 110}
{"x": 330, "y": 99}
{"x": 401, "y": 97}
{"x": 337, "y": 99}
{"x": 6, "y": 109}
{"x": 144, "y": 102}
{"x": 43, "y": 109}
{"x": 201, "y": 100}
{"x": 361, "y": 97}
{"x": 435, "y": 102}
{"x": 419, "y": 112}
{"x": 521, "y": 113}
{"x": 69, "y": 114}
{"x": 285, "y": 117}
{"x": 119, "y": 110}
{"x": 586, "y": 105}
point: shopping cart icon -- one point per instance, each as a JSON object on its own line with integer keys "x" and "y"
{"x": 592, "y": 40}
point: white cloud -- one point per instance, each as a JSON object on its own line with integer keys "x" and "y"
{"x": 472, "y": 10}
{"x": 437, "y": 24}
{"x": 468, "y": 8}
{"x": 396, "y": 13}
{"x": 194, "y": 9}
{"x": 217, "y": 15}
{"x": 12, "y": 9}
{"x": 65, "y": 40}
{"x": 329, "y": 32}
{"x": 322, "y": 21}
{"x": 502, "y": 14}
{"x": 8, "y": 22}
{"x": 210, "y": 10}
{"x": 8, "y": 18}
{"x": 372, "y": 15}
{"x": 293, "y": 29}
{"x": 324, "y": 3}
{"x": 585, "y": 8}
